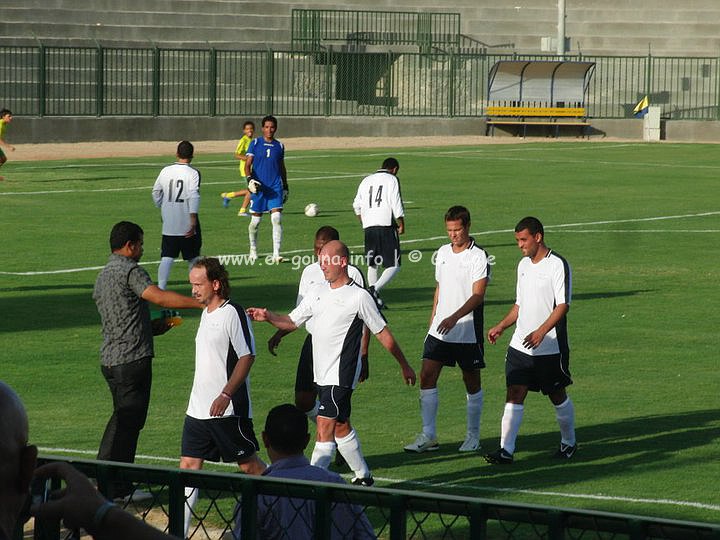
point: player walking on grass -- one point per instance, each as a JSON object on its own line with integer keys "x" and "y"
{"x": 312, "y": 276}
{"x": 267, "y": 181}
{"x": 122, "y": 292}
{"x": 538, "y": 358}
{"x": 338, "y": 313}
{"x": 6, "y": 117}
{"x": 379, "y": 207}
{"x": 241, "y": 154}
{"x": 218, "y": 424}
{"x": 177, "y": 193}
{"x": 455, "y": 336}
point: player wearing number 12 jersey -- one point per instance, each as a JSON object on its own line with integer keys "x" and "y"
{"x": 378, "y": 205}
{"x": 177, "y": 193}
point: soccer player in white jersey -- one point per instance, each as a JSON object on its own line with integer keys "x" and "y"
{"x": 218, "y": 423}
{"x": 455, "y": 336}
{"x": 312, "y": 276}
{"x": 379, "y": 207}
{"x": 338, "y": 314}
{"x": 177, "y": 193}
{"x": 538, "y": 358}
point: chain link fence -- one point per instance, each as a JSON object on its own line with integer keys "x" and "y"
{"x": 228, "y": 503}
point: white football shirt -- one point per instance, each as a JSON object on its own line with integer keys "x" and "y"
{"x": 540, "y": 288}
{"x": 378, "y": 201}
{"x": 312, "y": 276}
{"x": 177, "y": 193}
{"x": 455, "y": 274}
{"x": 338, "y": 316}
{"x": 222, "y": 337}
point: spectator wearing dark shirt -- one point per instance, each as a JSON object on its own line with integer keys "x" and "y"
{"x": 286, "y": 436}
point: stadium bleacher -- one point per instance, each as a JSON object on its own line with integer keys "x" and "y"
{"x": 626, "y": 27}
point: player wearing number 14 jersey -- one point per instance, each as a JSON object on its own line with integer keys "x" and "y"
{"x": 378, "y": 205}
{"x": 177, "y": 193}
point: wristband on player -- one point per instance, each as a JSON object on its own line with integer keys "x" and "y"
{"x": 225, "y": 394}
{"x": 100, "y": 514}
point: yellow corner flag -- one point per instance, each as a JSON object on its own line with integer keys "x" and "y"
{"x": 641, "y": 109}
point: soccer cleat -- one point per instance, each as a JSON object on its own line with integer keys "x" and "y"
{"x": 376, "y": 297}
{"x": 365, "y": 482}
{"x": 243, "y": 212}
{"x": 253, "y": 254}
{"x": 277, "y": 259}
{"x": 226, "y": 202}
{"x": 566, "y": 451}
{"x": 471, "y": 444}
{"x": 422, "y": 444}
{"x": 499, "y": 457}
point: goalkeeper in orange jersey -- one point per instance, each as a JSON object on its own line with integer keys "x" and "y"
{"x": 240, "y": 153}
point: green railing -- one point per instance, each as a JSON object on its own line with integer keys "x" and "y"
{"x": 314, "y": 29}
{"x": 394, "y": 514}
{"x": 98, "y": 81}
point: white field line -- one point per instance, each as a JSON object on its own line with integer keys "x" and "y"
{"x": 417, "y": 240}
{"x": 489, "y": 489}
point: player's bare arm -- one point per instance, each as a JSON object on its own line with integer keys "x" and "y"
{"x": 496, "y": 331}
{"x": 169, "y": 299}
{"x": 282, "y": 322}
{"x": 193, "y": 226}
{"x": 435, "y": 301}
{"x": 387, "y": 340}
{"x": 534, "y": 339}
{"x": 400, "y": 225}
{"x": 275, "y": 340}
{"x": 237, "y": 377}
{"x": 364, "y": 348}
{"x": 476, "y": 298}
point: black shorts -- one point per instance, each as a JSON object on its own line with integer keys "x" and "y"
{"x": 335, "y": 402}
{"x": 382, "y": 246}
{"x": 469, "y": 356}
{"x": 190, "y": 247}
{"x": 546, "y": 373}
{"x": 229, "y": 438}
{"x": 304, "y": 378}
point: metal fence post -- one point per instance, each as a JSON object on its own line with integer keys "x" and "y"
{"x": 451, "y": 84}
{"x": 323, "y": 515}
{"x": 212, "y": 83}
{"x": 248, "y": 505}
{"x": 176, "y": 504}
{"x": 398, "y": 518}
{"x": 41, "y": 80}
{"x": 100, "y": 81}
{"x": 270, "y": 72}
{"x": 156, "y": 83}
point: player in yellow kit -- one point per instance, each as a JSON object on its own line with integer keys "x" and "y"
{"x": 240, "y": 151}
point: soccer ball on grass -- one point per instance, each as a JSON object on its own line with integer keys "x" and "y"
{"x": 312, "y": 210}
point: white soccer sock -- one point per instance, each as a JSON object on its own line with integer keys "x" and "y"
{"x": 276, "y": 218}
{"x": 191, "y": 497}
{"x": 474, "y": 412}
{"x": 312, "y": 413}
{"x": 322, "y": 454}
{"x": 428, "y": 411}
{"x": 372, "y": 275}
{"x": 253, "y": 231}
{"x": 511, "y": 420}
{"x": 386, "y": 276}
{"x": 565, "y": 415}
{"x": 164, "y": 271}
{"x": 349, "y": 447}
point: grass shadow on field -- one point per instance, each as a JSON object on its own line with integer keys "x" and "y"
{"x": 646, "y": 443}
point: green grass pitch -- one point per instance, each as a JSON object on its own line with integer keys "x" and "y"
{"x": 637, "y": 222}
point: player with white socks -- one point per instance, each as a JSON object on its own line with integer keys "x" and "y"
{"x": 379, "y": 207}
{"x": 267, "y": 181}
{"x": 177, "y": 193}
{"x": 218, "y": 422}
{"x": 538, "y": 358}
{"x": 462, "y": 272}
{"x": 338, "y": 313}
